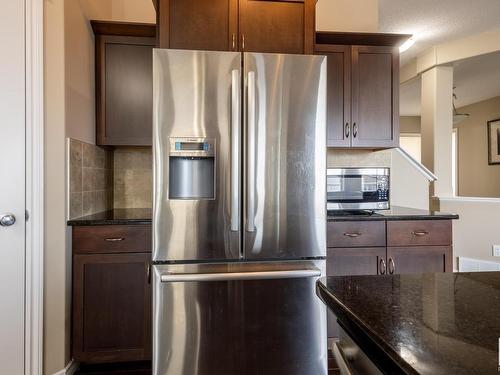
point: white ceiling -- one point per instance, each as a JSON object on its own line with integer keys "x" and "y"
{"x": 437, "y": 21}
{"x": 475, "y": 79}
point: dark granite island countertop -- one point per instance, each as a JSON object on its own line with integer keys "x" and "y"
{"x": 444, "y": 323}
{"x": 395, "y": 213}
{"x": 118, "y": 216}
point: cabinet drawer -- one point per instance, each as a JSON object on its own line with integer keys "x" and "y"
{"x": 356, "y": 234}
{"x": 419, "y": 233}
{"x": 112, "y": 239}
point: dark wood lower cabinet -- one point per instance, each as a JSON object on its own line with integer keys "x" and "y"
{"x": 419, "y": 259}
{"x": 418, "y": 246}
{"x": 354, "y": 261}
{"x": 111, "y": 307}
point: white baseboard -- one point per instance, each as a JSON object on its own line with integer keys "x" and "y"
{"x": 70, "y": 369}
{"x": 477, "y": 265}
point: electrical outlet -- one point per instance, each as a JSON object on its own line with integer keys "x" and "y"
{"x": 496, "y": 250}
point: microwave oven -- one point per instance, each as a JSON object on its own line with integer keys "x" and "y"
{"x": 358, "y": 188}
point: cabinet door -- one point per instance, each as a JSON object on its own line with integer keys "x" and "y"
{"x": 124, "y": 90}
{"x": 352, "y": 261}
{"x": 355, "y": 261}
{"x": 338, "y": 99}
{"x": 198, "y": 24}
{"x": 419, "y": 259}
{"x": 375, "y": 93}
{"x": 111, "y": 308}
{"x": 277, "y": 26}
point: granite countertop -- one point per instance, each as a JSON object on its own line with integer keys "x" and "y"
{"x": 445, "y": 323}
{"x": 118, "y": 216}
{"x": 395, "y": 213}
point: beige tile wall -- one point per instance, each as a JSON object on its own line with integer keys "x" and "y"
{"x": 133, "y": 177}
{"x": 90, "y": 179}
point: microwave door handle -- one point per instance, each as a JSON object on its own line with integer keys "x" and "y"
{"x": 235, "y": 150}
{"x": 227, "y": 276}
{"x": 251, "y": 152}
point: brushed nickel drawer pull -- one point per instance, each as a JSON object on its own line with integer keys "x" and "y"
{"x": 352, "y": 235}
{"x": 382, "y": 267}
{"x": 420, "y": 233}
{"x": 117, "y": 239}
{"x": 393, "y": 268}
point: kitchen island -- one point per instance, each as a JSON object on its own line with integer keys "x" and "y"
{"x": 443, "y": 323}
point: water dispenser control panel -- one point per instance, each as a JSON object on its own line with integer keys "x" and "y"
{"x": 194, "y": 147}
{"x": 192, "y": 165}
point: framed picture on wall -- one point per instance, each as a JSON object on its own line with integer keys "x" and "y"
{"x": 494, "y": 141}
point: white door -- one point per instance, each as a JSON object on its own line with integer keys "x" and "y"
{"x": 12, "y": 186}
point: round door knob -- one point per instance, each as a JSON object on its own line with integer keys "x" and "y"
{"x": 7, "y": 220}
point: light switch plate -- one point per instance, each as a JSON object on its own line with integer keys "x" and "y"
{"x": 496, "y": 250}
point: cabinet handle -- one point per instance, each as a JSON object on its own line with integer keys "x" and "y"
{"x": 148, "y": 273}
{"x": 354, "y": 130}
{"x": 242, "y": 42}
{"x": 382, "y": 267}
{"x": 420, "y": 233}
{"x": 352, "y": 235}
{"x": 392, "y": 266}
{"x": 234, "y": 41}
{"x": 117, "y": 239}
{"x": 347, "y": 130}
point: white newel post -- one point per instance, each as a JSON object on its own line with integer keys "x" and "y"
{"x": 437, "y": 127}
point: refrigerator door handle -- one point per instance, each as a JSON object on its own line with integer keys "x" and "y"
{"x": 235, "y": 150}
{"x": 251, "y": 152}
{"x": 227, "y": 276}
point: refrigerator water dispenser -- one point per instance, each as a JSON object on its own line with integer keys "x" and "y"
{"x": 191, "y": 168}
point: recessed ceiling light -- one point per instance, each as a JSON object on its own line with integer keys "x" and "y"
{"x": 406, "y": 45}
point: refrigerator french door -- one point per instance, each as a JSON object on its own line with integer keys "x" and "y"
{"x": 239, "y": 215}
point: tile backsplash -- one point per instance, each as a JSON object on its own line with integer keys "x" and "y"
{"x": 133, "y": 177}
{"x": 90, "y": 179}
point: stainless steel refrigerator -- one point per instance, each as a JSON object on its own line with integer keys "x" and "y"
{"x": 239, "y": 217}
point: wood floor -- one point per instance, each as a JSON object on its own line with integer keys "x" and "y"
{"x": 129, "y": 368}
{"x": 144, "y": 368}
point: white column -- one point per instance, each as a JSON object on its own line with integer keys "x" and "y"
{"x": 437, "y": 126}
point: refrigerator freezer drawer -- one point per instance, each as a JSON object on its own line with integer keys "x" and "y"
{"x": 243, "y": 318}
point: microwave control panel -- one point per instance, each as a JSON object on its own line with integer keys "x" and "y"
{"x": 383, "y": 187}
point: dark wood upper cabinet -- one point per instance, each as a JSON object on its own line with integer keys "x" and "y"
{"x": 362, "y": 90}
{"x": 276, "y": 26}
{"x": 124, "y": 83}
{"x": 338, "y": 94}
{"x": 198, "y": 24}
{"x": 237, "y": 25}
{"x": 375, "y": 93}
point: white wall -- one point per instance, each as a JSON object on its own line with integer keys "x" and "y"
{"x": 347, "y": 15}
{"x": 476, "y": 178}
{"x": 409, "y": 188}
{"x": 120, "y": 10}
{"x": 69, "y": 112}
{"x": 79, "y": 74}
{"x": 56, "y": 303}
{"x": 477, "y": 229}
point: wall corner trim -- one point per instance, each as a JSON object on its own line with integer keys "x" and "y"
{"x": 70, "y": 369}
